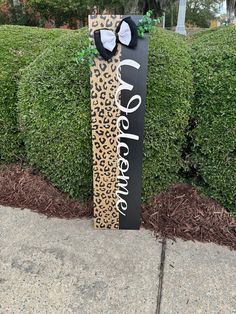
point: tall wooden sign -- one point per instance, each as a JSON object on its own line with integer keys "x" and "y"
{"x": 118, "y": 93}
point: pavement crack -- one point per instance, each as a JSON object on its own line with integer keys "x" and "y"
{"x": 161, "y": 276}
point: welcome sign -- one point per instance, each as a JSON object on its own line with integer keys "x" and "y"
{"x": 118, "y": 94}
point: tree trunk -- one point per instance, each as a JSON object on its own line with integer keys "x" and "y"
{"x": 171, "y": 15}
{"x": 134, "y": 9}
{"x": 15, "y": 2}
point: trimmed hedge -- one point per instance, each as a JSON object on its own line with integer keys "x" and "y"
{"x": 167, "y": 112}
{"x": 54, "y": 112}
{"x": 54, "y": 108}
{"x": 18, "y": 47}
{"x": 214, "y": 114}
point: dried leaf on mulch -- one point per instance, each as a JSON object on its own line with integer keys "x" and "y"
{"x": 183, "y": 213}
{"x": 22, "y": 188}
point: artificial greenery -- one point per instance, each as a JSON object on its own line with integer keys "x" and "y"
{"x": 18, "y": 47}
{"x": 54, "y": 110}
{"x": 87, "y": 55}
{"x": 146, "y": 24}
{"x": 213, "y": 133}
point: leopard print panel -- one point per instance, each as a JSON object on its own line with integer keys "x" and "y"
{"x": 105, "y": 113}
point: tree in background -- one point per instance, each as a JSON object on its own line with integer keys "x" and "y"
{"x": 201, "y": 12}
{"x": 129, "y": 6}
{"x": 171, "y": 15}
{"x": 69, "y": 12}
{"x": 65, "y": 11}
{"x": 16, "y": 12}
{"x": 198, "y": 13}
{"x": 116, "y": 6}
{"x": 231, "y": 9}
{"x": 60, "y": 11}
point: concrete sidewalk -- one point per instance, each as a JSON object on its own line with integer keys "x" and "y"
{"x": 60, "y": 266}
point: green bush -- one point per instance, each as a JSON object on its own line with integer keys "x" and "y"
{"x": 214, "y": 114}
{"x": 167, "y": 111}
{"x": 18, "y": 47}
{"x": 54, "y": 112}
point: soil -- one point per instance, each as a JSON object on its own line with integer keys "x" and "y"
{"x": 181, "y": 212}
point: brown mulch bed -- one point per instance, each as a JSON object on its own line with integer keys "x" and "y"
{"x": 180, "y": 212}
{"x": 183, "y": 213}
{"x": 22, "y": 188}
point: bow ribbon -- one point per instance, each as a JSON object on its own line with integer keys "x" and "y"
{"x": 106, "y": 40}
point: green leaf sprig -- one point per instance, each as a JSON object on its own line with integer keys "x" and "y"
{"x": 87, "y": 55}
{"x": 146, "y": 23}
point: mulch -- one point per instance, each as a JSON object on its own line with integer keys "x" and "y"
{"x": 23, "y": 188}
{"x": 180, "y": 212}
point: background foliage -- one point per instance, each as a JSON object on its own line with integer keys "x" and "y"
{"x": 55, "y": 113}
{"x": 37, "y": 12}
{"x": 10, "y": 13}
{"x": 18, "y": 47}
{"x": 213, "y": 134}
{"x": 198, "y": 13}
{"x": 61, "y": 11}
{"x": 58, "y": 12}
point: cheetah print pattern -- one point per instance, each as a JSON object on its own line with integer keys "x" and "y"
{"x": 105, "y": 113}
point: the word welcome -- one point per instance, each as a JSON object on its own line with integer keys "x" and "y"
{"x": 123, "y": 124}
